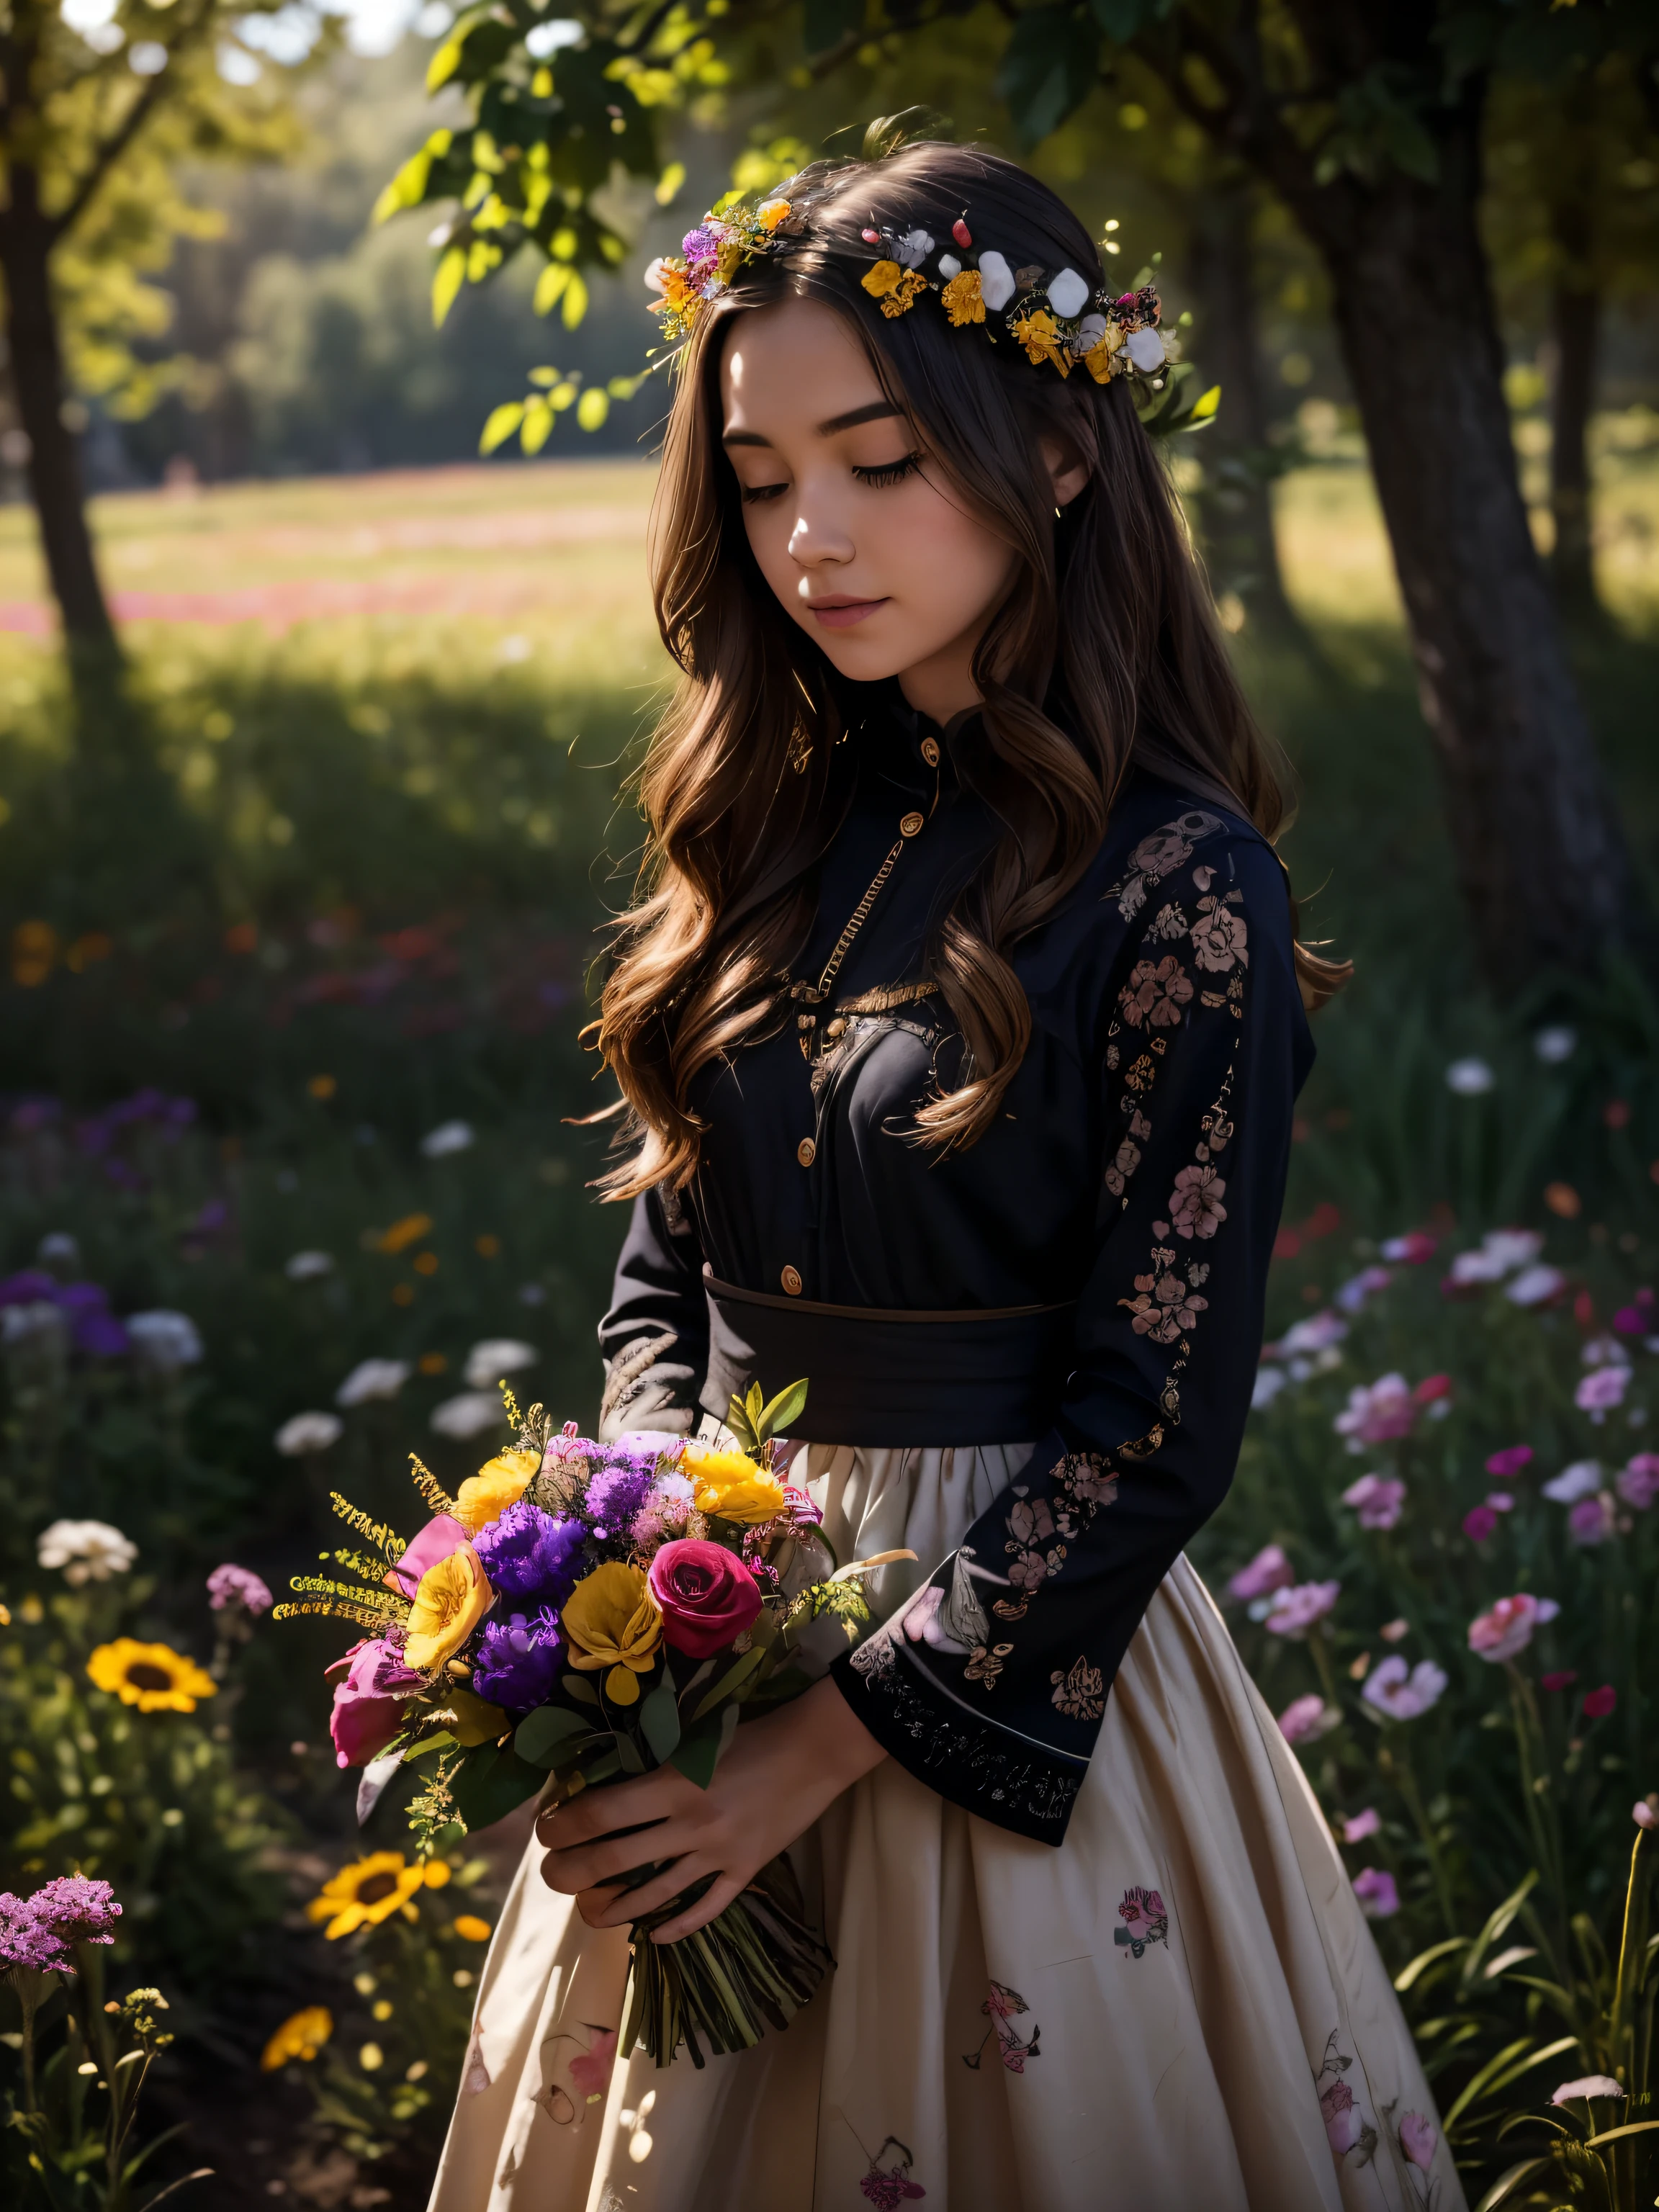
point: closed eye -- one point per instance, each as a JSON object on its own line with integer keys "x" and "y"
{"x": 889, "y": 472}
{"x": 754, "y": 493}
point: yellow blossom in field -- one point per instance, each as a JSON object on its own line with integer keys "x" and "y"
{"x": 152, "y": 1676}
{"x": 731, "y": 1487}
{"x": 611, "y": 1619}
{"x": 499, "y": 1483}
{"x": 470, "y": 1929}
{"x": 301, "y": 2035}
{"x": 366, "y": 1893}
{"x": 402, "y": 1234}
{"x": 452, "y": 1600}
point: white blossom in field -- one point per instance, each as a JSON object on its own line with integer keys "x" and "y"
{"x": 305, "y": 1266}
{"x": 1269, "y": 1381}
{"x": 309, "y": 1432}
{"x": 1582, "y": 1479}
{"x": 468, "y": 1415}
{"x": 494, "y": 1356}
{"x": 36, "y": 1319}
{"x": 373, "y": 1378}
{"x": 1589, "y": 2085}
{"x": 87, "y": 1551}
{"x": 1556, "y": 1043}
{"x": 1499, "y": 1252}
{"x": 166, "y": 1340}
{"x": 448, "y": 1137}
{"x": 1535, "y": 1286}
{"x": 1470, "y": 1077}
{"x": 57, "y": 1248}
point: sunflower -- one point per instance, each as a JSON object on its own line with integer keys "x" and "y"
{"x": 152, "y": 1676}
{"x": 371, "y": 1890}
{"x": 301, "y": 2035}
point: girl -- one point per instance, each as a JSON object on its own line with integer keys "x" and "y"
{"x": 960, "y": 1026}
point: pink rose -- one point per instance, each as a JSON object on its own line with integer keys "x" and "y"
{"x": 436, "y": 1541}
{"x": 368, "y": 1709}
{"x": 1418, "y": 2139}
{"x": 706, "y": 1595}
{"x": 1343, "y": 2122}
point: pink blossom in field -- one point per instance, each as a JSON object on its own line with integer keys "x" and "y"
{"x": 1592, "y": 1521}
{"x": 1638, "y": 1483}
{"x": 1418, "y": 2138}
{"x": 1599, "y": 1390}
{"x": 1413, "y": 1249}
{"x": 1645, "y": 1811}
{"x": 1294, "y": 1610}
{"x": 1269, "y": 1570}
{"x": 1431, "y": 1390}
{"x": 1587, "y": 2085}
{"x": 1391, "y": 1630}
{"x": 1378, "y": 1499}
{"x": 1582, "y": 1479}
{"x": 1563, "y": 1678}
{"x": 1404, "y": 1693}
{"x": 1376, "y": 1412}
{"x": 1354, "y": 1293}
{"x": 231, "y": 1584}
{"x": 1302, "y": 1718}
{"x": 1362, "y": 1825}
{"x": 1501, "y": 1501}
{"x": 1599, "y": 1704}
{"x": 1316, "y": 1333}
{"x": 1480, "y": 1522}
{"x": 1375, "y": 1888}
{"x": 1510, "y": 1461}
{"x": 1508, "y": 1628}
{"x": 1535, "y": 1286}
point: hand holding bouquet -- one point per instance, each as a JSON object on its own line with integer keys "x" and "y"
{"x": 580, "y": 1613}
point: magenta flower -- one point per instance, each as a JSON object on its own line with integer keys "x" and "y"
{"x": 1592, "y": 1521}
{"x": 229, "y": 1585}
{"x": 1302, "y": 1718}
{"x": 77, "y": 1910}
{"x": 1355, "y": 1830}
{"x": 1508, "y": 1628}
{"x": 27, "y": 1940}
{"x": 441, "y": 1536}
{"x": 1563, "y": 1678}
{"x": 1637, "y": 1484}
{"x": 1376, "y": 1412}
{"x": 1501, "y": 1501}
{"x": 1510, "y": 1461}
{"x": 1404, "y": 1693}
{"x": 1378, "y": 1499}
{"x": 1268, "y": 1572}
{"x": 1602, "y": 1389}
{"x": 1645, "y": 1811}
{"x": 1432, "y": 1390}
{"x": 1418, "y": 2138}
{"x": 1478, "y": 1522}
{"x": 1413, "y": 1248}
{"x": 1375, "y": 1888}
{"x": 1598, "y": 1704}
{"x": 369, "y": 1699}
{"x": 1295, "y": 1610}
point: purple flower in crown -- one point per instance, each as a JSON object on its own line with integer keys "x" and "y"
{"x": 527, "y": 1554}
{"x": 703, "y": 248}
{"x": 517, "y": 1662}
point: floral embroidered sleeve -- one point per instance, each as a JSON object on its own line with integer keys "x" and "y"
{"x": 990, "y": 1685}
{"x": 655, "y": 1337}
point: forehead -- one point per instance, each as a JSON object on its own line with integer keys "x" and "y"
{"x": 793, "y": 366}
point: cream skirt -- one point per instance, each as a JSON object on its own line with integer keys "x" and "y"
{"x": 1180, "y": 2010}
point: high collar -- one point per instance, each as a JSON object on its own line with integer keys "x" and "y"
{"x": 905, "y": 749}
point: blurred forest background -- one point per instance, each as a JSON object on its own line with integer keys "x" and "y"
{"x": 312, "y": 757}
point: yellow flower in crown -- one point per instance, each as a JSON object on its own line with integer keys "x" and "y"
{"x": 611, "y": 1619}
{"x": 301, "y": 2035}
{"x": 905, "y": 294}
{"x": 499, "y": 1483}
{"x": 1101, "y": 361}
{"x": 371, "y": 1890}
{"x": 773, "y": 213}
{"x": 452, "y": 1599}
{"x": 1039, "y": 333}
{"x": 964, "y": 299}
{"x": 152, "y": 1676}
{"x": 731, "y": 1487}
{"x": 881, "y": 278}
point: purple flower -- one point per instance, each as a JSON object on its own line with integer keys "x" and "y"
{"x": 1295, "y": 1610}
{"x": 518, "y": 1660}
{"x": 527, "y": 1553}
{"x": 1378, "y": 1499}
{"x": 1591, "y": 1520}
{"x": 1268, "y": 1570}
{"x": 616, "y": 1492}
{"x": 1638, "y": 1483}
{"x": 1403, "y": 1693}
{"x": 26, "y": 1940}
{"x": 1375, "y": 1888}
{"x": 1602, "y": 1388}
{"x": 1509, "y": 1462}
{"x": 229, "y": 1585}
{"x": 29, "y": 1287}
{"x": 1358, "y": 1825}
{"x": 1302, "y": 1717}
{"x": 1479, "y": 1524}
{"x": 100, "y": 1336}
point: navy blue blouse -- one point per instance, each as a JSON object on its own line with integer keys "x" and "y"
{"x": 1137, "y": 1168}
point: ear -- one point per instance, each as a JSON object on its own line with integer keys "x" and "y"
{"x": 1066, "y": 473}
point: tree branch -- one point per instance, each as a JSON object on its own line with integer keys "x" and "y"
{"x": 105, "y": 155}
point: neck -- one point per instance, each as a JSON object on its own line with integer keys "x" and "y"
{"x": 944, "y": 684}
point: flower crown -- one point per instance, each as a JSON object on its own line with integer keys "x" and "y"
{"x": 1060, "y": 318}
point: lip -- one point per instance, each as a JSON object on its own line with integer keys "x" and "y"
{"x": 842, "y": 612}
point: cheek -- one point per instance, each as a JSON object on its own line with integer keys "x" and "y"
{"x": 950, "y": 557}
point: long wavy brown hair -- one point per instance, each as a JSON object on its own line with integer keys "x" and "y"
{"x": 1105, "y": 654}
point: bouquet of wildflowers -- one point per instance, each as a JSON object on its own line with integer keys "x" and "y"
{"x": 580, "y": 1613}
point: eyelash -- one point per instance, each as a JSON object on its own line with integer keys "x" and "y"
{"x": 889, "y": 472}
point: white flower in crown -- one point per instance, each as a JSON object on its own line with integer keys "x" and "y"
{"x": 996, "y": 281}
{"x": 1146, "y": 350}
{"x": 653, "y": 276}
{"x": 1068, "y": 296}
{"x": 913, "y": 249}
{"x": 1090, "y": 331}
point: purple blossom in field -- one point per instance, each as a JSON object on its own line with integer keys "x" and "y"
{"x": 1582, "y": 1479}
{"x": 1638, "y": 1483}
{"x": 1378, "y": 1499}
{"x": 518, "y": 1660}
{"x": 1604, "y": 1352}
{"x": 1479, "y": 1524}
{"x": 1355, "y": 1830}
{"x": 1637, "y": 1318}
{"x": 1535, "y": 1286}
{"x": 1269, "y": 1381}
{"x": 1375, "y": 1888}
{"x": 1352, "y": 1294}
{"x": 233, "y": 1585}
{"x": 1269, "y": 1570}
{"x": 1513, "y": 1460}
{"x": 1302, "y": 1718}
{"x": 1404, "y": 1693}
{"x": 1297, "y": 1609}
{"x": 27, "y": 1287}
{"x": 1592, "y": 1520}
{"x": 1376, "y": 1412}
{"x": 1600, "y": 1389}
{"x": 27, "y": 1940}
{"x": 78, "y": 1909}
{"x": 528, "y": 1554}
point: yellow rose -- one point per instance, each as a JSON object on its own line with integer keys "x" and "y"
{"x": 611, "y": 1619}
{"x": 881, "y": 278}
{"x": 499, "y": 1483}
{"x": 453, "y": 1598}
{"x": 731, "y": 1487}
{"x": 963, "y": 299}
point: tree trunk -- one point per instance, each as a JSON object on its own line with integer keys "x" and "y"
{"x": 1235, "y": 509}
{"x": 1540, "y": 858}
{"x": 1575, "y": 333}
{"x": 54, "y": 463}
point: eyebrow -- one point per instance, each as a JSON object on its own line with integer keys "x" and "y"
{"x": 878, "y": 411}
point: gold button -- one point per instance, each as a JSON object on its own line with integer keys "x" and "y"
{"x": 911, "y": 825}
{"x": 806, "y": 1151}
{"x": 791, "y": 1280}
{"x": 930, "y": 752}
{"x": 836, "y": 1029}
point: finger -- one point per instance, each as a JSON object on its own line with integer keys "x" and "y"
{"x": 661, "y": 1889}
{"x": 618, "y": 1805}
{"x": 594, "y": 1906}
{"x": 706, "y": 1909}
{"x": 589, "y": 1865}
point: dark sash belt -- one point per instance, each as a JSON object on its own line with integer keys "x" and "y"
{"x": 972, "y": 1376}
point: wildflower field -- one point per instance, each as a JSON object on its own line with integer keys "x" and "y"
{"x": 290, "y": 1175}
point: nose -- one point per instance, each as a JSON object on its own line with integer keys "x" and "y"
{"x": 819, "y": 538}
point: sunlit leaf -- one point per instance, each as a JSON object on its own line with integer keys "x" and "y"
{"x": 503, "y": 421}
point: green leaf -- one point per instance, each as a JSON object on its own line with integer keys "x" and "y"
{"x": 786, "y": 1407}
{"x": 503, "y": 421}
{"x": 1615, "y": 2135}
{"x": 447, "y": 283}
{"x": 628, "y": 1753}
{"x": 1506, "y": 2185}
{"x": 575, "y": 301}
{"x": 593, "y": 408}
{"x": 669, "y": 182}
{"x": 491, "y": 1782}
{"x": 577, "y": 1686}
{"x": 543, "y": 1737}
{"x": 1120, "y": 18}
{"x": 441, "y": 1742}
{"x": 729, "y": 1682}
{"x": 697, "y": 1753}
{"x": 825, "y": 23}
{"x": 408, "y": 188}
{"x": 1050, "y": 66}
{"x": 660, "y": 1720}
{"x": 537, "y": 423}
{"x": 549, "y": 286}
{"x": 1206, "y": 404}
